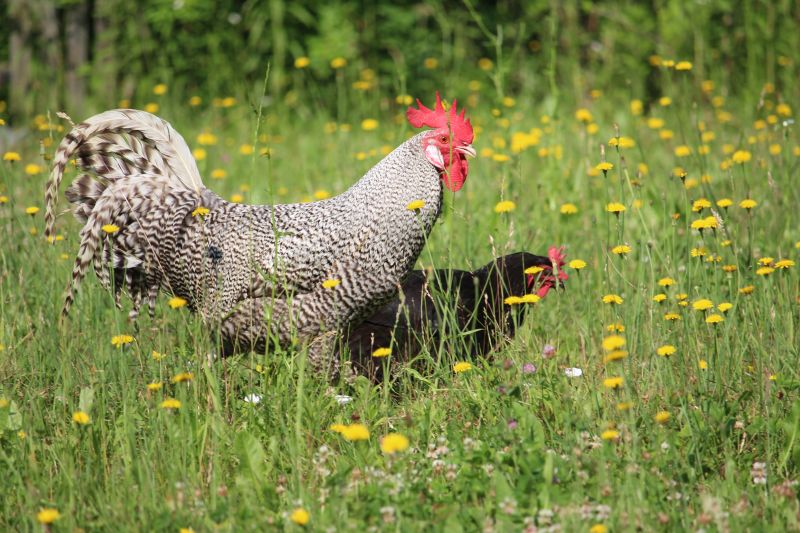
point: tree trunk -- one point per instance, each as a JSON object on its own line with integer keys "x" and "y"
{"x": 21, "y": 56}
{"x": 77, "y": 41}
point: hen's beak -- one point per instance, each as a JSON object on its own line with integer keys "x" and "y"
{"x": 467, "y": 149}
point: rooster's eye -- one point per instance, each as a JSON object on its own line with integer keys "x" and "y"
{"x": 444, "y": 138}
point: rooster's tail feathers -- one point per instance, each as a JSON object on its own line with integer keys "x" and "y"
{"x": 116, "y": 145}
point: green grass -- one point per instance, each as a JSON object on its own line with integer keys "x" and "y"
{"x": 490, "y": 448}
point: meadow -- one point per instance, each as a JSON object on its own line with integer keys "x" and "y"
{"x": 657, "y": 391}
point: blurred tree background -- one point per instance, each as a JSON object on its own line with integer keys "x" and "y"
{"x": 83, "y": 55}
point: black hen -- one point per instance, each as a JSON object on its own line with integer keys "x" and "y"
{"x": 485, "y": 306}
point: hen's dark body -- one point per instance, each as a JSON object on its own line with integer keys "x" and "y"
{"x": 457, "y": 309}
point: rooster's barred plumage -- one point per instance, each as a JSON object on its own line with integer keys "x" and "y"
{"x": 250, "y": 271}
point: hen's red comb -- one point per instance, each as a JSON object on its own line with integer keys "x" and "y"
{"x": 439, "y": 118}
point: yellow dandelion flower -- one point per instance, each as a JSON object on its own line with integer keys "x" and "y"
{"x": 700, "y": 204}
{"x": 200, "y": 211}
{"x": 121, "y": 340}
{"x": 3, "y": 199}
{"x": 195, "y": 101}
{"x": 171, "y": 403}
{"x": 604, "y": 166}
{"x": 110, "y": 228}
{"x": 79, "y": 417}
{"x": 207, "y": 139}
{"x": 741, "y": 156}
{"x": 622, "y": 142}
{"x": 698, "y": 252}
{"x": 725, "y": 203}
{"x": 512, "y": 300}
{"x": 158, "y": 356}
{"x": 369, "y": 124}
{"x": 748, "y": 203}
{"x": 672, "y": 317}
{"x": 714, "y": 318}
{"x": 666, "y": 351}
{"x": 355, "y": 432}
{"x": 612, "y": 299}
{"x": 583, "y": 115}
{"x": 665, "y": 101}
{"x": 302, "y": 62}
{"x": 725, "y": 307}
{"x": 485, "y": 63}
{"x": 702, "y": 304}
{"x": 784, "y": 264}
{"x": 47, "y": 516}
{"x": 416, "y": 204}
{"x": 154, "y": 386}
{"x": 624, "y": 406}
{"x": 151, "y": 107}
{"x": 702, "y": 364}
{"x": 765, "y": 271}
{"x": 682, "y": 151}
{"x": 662, "y": 417}
{"x": 748, "y": 289}
{"x": 613, "y": 382}
{"x": 176, "y": 302}
{"x": 32, "y": 169}
{"x": 637, "y": 106}
{"x": 299, "y": 515}
{"x": 609, "y": 434}
{"x": 533, "y": 270}
{"x": 331, "y": 283}
{"x": 615, "y": 355}
{"x": 666, "y": 282}
{"x": 621, "y": 249}
{"x": 658, "y": 298}
{"x": 577, "y": 264}
{"x": 382, "y": 352}
{"x": 615, "y": 207}
{"x": 11, "y": 157}
{"x": 338, "y": 62}
{"x": 530, "y": 299}
{"x": 613, "y": 342}
{"x": 393, "y": 443}
{"x": 31, "y": 210}
{"x": 568, "y": 209}
{"x": 182, "y": 377}
{"x": 655, "y": 123}
{"x": 462, "y": 366}
{"x": 505, "y": 206}
{"x": 683, "y": 65}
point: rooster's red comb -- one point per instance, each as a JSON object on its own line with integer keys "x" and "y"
{"x": 438, "y": 117}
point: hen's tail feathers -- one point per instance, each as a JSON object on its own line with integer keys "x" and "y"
{"x": 116, "y": 145}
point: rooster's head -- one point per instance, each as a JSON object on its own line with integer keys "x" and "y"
{"x": 448, "y": 144}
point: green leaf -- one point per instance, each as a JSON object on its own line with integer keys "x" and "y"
{"x": 86, "y": 399}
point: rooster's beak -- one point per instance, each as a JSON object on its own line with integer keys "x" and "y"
{"x": 467, "y": 149}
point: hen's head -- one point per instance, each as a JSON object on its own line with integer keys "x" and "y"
{"x": 548, "y": 278}
{"x": 449, "y": 143}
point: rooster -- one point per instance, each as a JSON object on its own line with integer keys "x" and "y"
{"x": 256, "y": 273}
{"x": 482, "y": 307}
